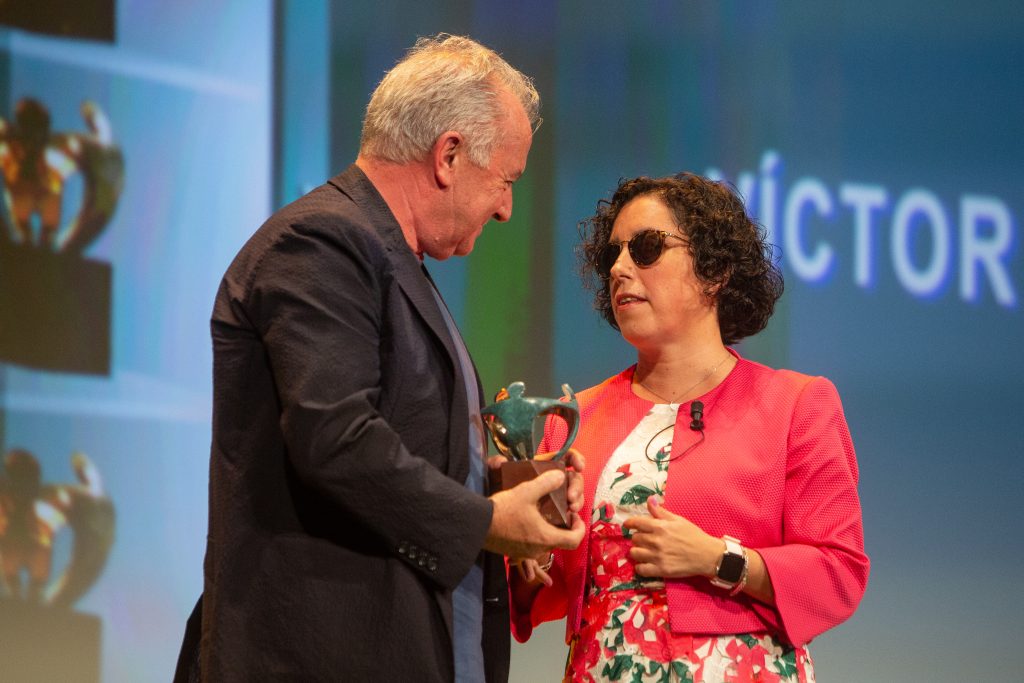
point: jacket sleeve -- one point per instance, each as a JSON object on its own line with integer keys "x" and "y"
{"x": 315, "y": 301}
{"x": 820, "y": 571}
{"x": 551, "y": 602}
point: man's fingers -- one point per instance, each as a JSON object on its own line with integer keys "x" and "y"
{"x": 542, "y": 485}
{"x": 568, "y": 539}
{"x": 518, "y": 530}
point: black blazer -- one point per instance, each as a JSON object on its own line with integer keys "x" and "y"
{"x": 339, "y": 522}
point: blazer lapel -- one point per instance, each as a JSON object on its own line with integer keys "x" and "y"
{"x": 413, "y": 280}
{"x": 407, "y": 267}
{"x": 429, "y": 306}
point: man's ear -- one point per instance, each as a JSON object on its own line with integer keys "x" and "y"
{"x": 445, "y": 155}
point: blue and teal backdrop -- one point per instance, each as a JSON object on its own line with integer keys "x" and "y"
{"x": 881, "y": 143}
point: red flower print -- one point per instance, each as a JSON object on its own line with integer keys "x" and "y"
{"x": 603, "y": 513}
{"x": 643, "y": 629}
{"x": 624, "y": 473}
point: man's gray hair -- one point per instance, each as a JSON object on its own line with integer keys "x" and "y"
{"x": 443, "y": 83}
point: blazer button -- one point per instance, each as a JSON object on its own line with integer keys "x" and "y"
{"x": 412, "y": 553}
{"x": 432, "y": 565}
{"x": 423, "y": 561}
{"x": 403, "y": 548}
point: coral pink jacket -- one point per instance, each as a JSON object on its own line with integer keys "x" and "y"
{"x": 777, "y": 471}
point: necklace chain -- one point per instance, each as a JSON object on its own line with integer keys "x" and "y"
{"x": 703, "y": 379}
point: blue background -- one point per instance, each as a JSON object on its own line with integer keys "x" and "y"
{"x": 225, "y": 110}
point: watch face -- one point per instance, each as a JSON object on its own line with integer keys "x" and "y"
{"x": 731, "y": 569}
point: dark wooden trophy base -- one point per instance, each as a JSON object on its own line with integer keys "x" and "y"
{"x": 554, "y": 507}
{"x": 54, "y": 310}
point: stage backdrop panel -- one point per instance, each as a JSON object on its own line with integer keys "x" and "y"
{"x": 879, "y": 143}
{"x": 162, "y": 138}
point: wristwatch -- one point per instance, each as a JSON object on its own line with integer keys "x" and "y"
{"x": 732, "y": 567}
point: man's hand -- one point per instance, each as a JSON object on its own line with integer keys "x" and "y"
{"x": 517, "y": 528}
{"x": 574, "y": 463}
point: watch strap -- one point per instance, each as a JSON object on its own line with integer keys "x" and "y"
{"x": 732, "y": 567}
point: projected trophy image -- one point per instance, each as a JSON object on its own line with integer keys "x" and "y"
{"x": 513, "y": 421}
{"x": 41, "y": 637}
{"x": 37, "y": 163}
{"x": 54, "y": 299}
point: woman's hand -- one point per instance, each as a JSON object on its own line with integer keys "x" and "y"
{"x": 534, "y": 571}
{"x": 668, "y": 545}
{"x": 575, "y": 463}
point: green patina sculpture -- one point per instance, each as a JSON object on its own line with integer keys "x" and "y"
{"x": 510, "y": 421}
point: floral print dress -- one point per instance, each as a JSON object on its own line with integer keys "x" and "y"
{"x": 625, "y": 633}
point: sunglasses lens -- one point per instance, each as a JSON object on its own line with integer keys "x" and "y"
{"x": 645, "y": 247}
{"x": 609, "y": 255}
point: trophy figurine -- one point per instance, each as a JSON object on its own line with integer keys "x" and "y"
{"x": 510, "y": 421}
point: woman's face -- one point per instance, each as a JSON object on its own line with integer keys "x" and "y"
{"x": 663, "y": 302}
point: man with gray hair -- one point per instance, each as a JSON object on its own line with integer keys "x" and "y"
{"x": 350, "y": 537}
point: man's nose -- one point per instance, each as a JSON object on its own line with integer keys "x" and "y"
{"x": 504, "y": 211}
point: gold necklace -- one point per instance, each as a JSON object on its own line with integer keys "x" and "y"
{"x": 703, "y": 379}
{"x": 696, "y": 425}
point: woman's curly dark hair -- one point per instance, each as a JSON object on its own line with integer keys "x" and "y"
{"x": 730, "y": 255}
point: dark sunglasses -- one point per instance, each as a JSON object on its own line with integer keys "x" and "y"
{"x": 645, "y": 249}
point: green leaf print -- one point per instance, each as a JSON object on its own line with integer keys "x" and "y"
{"x": 684, "y": 673}
{"x": 614, "y": 638}
{"x": 619, "y": 665}
{"x": 638, "y": 582}
{"x": 747, "y": 639}
{"x": 637, "y": 495}
{"x": 786, "y": 664}
{"x": 662, "y": 457}
{"x": 657, "y": 667}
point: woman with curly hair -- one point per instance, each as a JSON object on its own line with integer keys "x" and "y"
{"x": 721, "y": 495}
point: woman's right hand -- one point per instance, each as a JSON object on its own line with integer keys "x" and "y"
{"x": 534, "y": 571}
{"x": 671, "y": 546}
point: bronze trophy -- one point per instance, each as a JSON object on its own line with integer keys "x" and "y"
{"x": 42, "y": 636}
{"x": 510, "y": 421}
{"x": 55, "y": 299}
